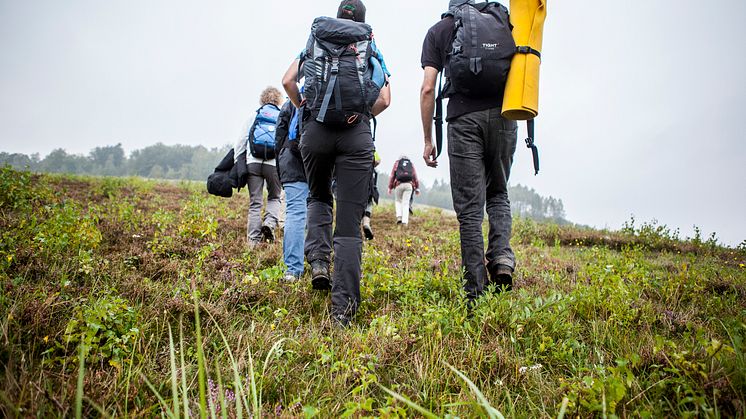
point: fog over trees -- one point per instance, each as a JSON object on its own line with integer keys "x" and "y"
{"x": 160, "y": 161}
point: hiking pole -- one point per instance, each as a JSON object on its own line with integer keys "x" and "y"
{"x": 530, "y": 144}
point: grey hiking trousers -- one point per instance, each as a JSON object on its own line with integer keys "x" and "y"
{"x": 260, "y": 173}
{"x": 481, "y": 145}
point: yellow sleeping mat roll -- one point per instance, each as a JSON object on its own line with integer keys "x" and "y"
{"x": 521, "y": 100}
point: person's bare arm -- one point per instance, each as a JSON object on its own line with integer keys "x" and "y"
{"x": 289, "y": 82}
{"x": 427, "y": 108}
{"x": 383, "y": 101}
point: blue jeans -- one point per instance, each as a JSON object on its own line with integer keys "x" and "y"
{"x": 295, "y": 226}
{"x": 481, "y": 145}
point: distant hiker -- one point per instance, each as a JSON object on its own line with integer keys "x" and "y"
{"x": 293, "y": 178}
{"x": 403, "y": 181}
{"x": 372, "y": 199}
{"x": 258, "y": 137}
{"x": 481, "y": 142}
{"x": 336, "y": 138}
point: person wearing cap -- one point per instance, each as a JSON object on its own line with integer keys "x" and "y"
{"x": 481, "y": 144}
{"x": 346, "y": 153}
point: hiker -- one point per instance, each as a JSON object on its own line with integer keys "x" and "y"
{"x": 481, "y": 142}
{"x": 336, "y": 138}
{"x": 258, "y": 138}
{"x": 372, "y": 199}
{"x": 293, "y": 179}
{"x": 403, "y": 181}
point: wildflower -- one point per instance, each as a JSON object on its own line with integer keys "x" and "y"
{"x": 742, "y": 265}
{"x": 523, "y": 370}
{"x": 46, "y": 339}
{"x": 10, "y": 258}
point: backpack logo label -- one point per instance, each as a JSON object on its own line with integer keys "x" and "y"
{"x": 490, "y": 46}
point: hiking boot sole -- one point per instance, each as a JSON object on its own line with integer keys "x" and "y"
{"x": 321, "y": 283}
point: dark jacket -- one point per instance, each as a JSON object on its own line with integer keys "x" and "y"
{"x": 228, "y": 176}
{"x": 289, "y": 161}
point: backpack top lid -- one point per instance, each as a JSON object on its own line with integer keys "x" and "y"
{"x": 482, "y": 7}
{"x": 269, "y": 112}
{"x": 340, "y": 31}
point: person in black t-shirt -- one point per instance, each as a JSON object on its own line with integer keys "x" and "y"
{"x": 481, "y": 144}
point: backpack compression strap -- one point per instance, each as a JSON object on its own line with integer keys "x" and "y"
{"x": 331, "y": 87}
{"x": 530, "y": 144}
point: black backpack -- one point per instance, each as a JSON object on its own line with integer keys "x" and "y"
{"x": 338, "y": 83}
{"x": 404, "y": 171}
{"x": 481, "y": 52}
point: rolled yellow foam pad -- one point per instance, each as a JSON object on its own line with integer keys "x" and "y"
{"x": 521, "y": 100}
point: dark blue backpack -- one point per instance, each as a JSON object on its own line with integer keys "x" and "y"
{"x": 262, "y": 132}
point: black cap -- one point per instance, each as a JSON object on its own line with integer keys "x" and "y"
{"x": 352, "y": 9}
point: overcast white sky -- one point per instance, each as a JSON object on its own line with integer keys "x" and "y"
{"x": 640, "y": 112}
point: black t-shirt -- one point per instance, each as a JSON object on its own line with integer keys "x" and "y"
{"x": 435, "y": 51}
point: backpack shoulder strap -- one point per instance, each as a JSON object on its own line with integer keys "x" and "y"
{"x": 439, "y": 117}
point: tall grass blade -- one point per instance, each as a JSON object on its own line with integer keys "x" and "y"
{"x": 81, "y": 380}
{"x": 272, "y": 350}
{"x": 184, "y": 388}
{"x": 200, "y": 360}
{"x": 221, "y": 392}
{"x": 426, "y": 413}
{"x": 256, "y": 408}
{"x": 158, "y": 396}
{"x": 129, "y": 379}
{"x": 174, "y": 379}
{"x": 237, "y": 382}
{"x": 491, "y": 411}
{"x": 563, "y": 409}
{"x": 101, "y": 411}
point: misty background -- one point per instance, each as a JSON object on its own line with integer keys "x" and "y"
{"x": 639, "y": 111}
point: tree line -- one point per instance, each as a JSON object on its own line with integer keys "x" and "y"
{"x": 524, "y": 201}
{"x": 158, "y": 161}
{"x": 161, "y": 161}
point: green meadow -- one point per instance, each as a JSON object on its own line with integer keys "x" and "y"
{"x": 124, "y": 297}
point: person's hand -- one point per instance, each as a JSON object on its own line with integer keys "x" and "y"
{"x": 429, "y": 154}
{"x": 389, "y": 191}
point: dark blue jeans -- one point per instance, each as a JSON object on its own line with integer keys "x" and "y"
{"x": 480, "y": 148}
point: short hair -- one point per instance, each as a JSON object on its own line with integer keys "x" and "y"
{"x": 352, "y": 10}
{"x": 271, "y": 95}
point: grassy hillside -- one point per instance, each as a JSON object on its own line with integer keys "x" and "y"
{"x": 100, "y": 279}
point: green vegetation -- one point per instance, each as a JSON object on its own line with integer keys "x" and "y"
{"x": 125, "y": 297}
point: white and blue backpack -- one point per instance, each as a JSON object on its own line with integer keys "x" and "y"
{"x": 262, "y": 132}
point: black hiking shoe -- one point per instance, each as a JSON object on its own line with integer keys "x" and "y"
{"x": 320, "y": 278}
{"x": 367, "y": 231}
{"x": 267, "y": 234}
{"x": 501, "y": 277}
